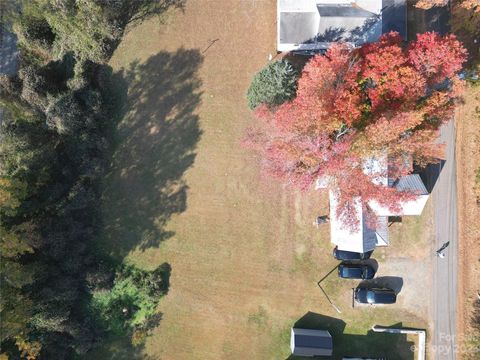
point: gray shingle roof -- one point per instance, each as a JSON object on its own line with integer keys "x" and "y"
{"x": 413, "y": 183}
{"x": 343, "y": 11}
{"x": 308, "y": 342}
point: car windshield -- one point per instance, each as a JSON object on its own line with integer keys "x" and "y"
{"x": 371, "y": 297}
{"x": 347, "y": 255}
{"x": 361, "y": 295}
{"x": 380, "y": 297}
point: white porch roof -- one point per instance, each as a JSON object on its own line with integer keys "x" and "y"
{"x": 412, "y": 207}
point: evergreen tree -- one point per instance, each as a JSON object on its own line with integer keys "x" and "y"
{"x": 273, "y": 85}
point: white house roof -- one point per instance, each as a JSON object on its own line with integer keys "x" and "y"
{"x": 377, "y": 168}
{"x": 369, "y": 5}
{"x": 307, "y": 342}
{"x": 412, "y": 207}
{"x": 363, "y": 238}
{"x": 322, "y": 182}
{"x": 315, "y": 24}
{"x": 297, "y": 5}
{"x": 342, "y": 236}
{"x": 349, "y": 23}
{"x": 297, "y": 27}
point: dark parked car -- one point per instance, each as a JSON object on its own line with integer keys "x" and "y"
{"x": 355, "y": 271}
{"x": 375, "y": 295}
{"x": 363, "y": 358}
{"x": 348, "y": 255}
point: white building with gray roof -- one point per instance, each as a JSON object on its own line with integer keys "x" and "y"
{"x": 367, "y": 236}
{"x": 312, "y": 25}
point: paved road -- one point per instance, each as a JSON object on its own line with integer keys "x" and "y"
{"x": 442, "y": 178}
{"x": 444, "y": 288}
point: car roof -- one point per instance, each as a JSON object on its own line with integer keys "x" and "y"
{"x": 348, "y": 254}
{"x": 381, "y": 295}
{"x": 351, "y": 255}
{"x": 352, "y": 264}
{"x": 351, "y": 269}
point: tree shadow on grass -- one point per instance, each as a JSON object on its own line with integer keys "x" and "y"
{"x": 131, "y": 12}
{"x": 126, "y": 14}
{"x": 154, "y": 145}
{"x": 121, "y": 348}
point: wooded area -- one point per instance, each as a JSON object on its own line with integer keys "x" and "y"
{"x": 60, "y": 295}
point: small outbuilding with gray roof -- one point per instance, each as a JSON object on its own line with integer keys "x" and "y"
{"x": 308, "y": 342}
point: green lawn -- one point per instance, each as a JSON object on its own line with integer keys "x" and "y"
{"x": 245, "y": 256}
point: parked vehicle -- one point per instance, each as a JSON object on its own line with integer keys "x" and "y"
{"x": 363, "y": 358}
{"x": 366, "y": 295}
{"x": 355, "y": 271}
{"x": 349, "y": 255}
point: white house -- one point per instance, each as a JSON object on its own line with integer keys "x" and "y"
{"x": 366, "y": 237}
{"x": 311, "y": 25}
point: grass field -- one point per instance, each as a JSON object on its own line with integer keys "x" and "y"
{"x": 245, "y": 256}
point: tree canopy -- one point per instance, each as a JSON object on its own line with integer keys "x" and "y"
{"x": 464, "y": 21}
{"x": 55, "y": 140}
{"x": 466, "y": 4}
{"x": 384, "y": 98}
{"x": 91, "y": 29}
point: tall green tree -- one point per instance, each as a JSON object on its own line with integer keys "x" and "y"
{"x": 273, "y": 85}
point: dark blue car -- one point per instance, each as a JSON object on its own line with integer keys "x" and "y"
{"x": 372, "y": 296}
{"x": 355, "y": 271}
{"x": 349, "y": 255}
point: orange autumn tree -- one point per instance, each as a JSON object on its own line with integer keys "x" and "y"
{"x": 466, "y": 4}
{"x": 464, "y": 21}
{"x": 356, "y": 104}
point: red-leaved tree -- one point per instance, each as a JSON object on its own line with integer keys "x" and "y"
{"x": 383, "y": 100}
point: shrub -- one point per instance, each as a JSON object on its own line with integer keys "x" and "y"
{"x": 273, "y": 85}
{"x": 132, "y": 301}
{"x": 35, "y": 31}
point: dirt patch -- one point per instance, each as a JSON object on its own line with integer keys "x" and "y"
{"x": 468, "y": 154}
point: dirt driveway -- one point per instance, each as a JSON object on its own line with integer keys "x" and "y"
{"x": 411, "y": 278}
{"x": 405, "y": 265}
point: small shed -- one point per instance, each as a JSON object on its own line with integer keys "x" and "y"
{"x": 308, "y": 342}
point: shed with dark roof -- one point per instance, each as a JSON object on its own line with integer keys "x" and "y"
{"x": 308, "y": 342}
